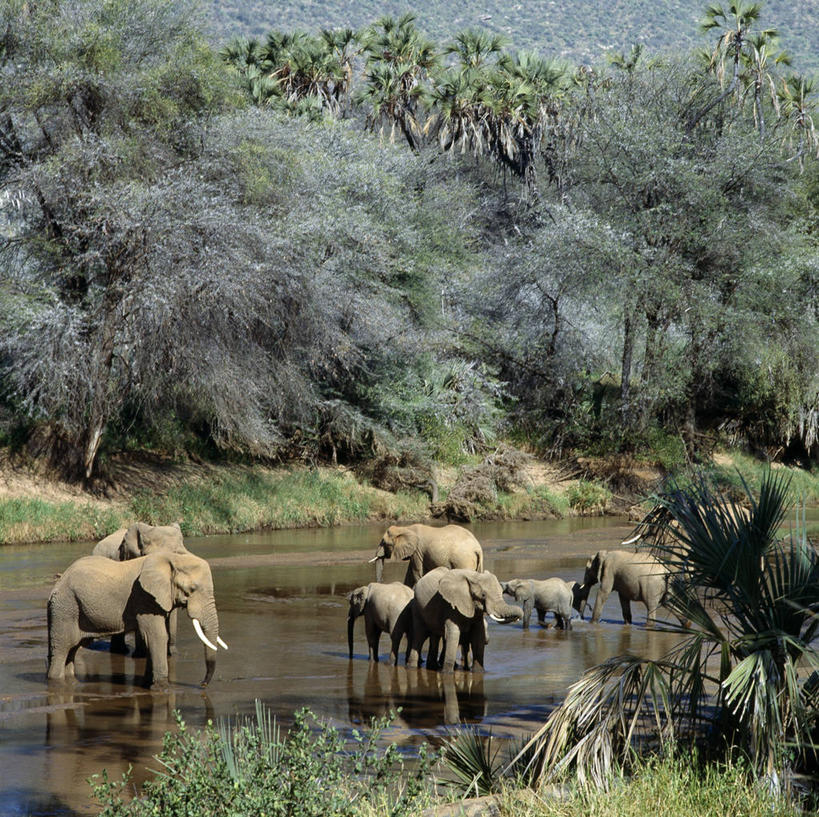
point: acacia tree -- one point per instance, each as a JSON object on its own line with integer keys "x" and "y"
{"x": 169, "y": 265}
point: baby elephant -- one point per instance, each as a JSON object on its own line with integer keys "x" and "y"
{"x": 547, "y": 596}
{"x": 386, "y": 609}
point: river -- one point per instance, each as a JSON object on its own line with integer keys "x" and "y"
{"x": 282, "y": 610}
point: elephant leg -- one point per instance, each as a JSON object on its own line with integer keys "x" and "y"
{"x": 118, "y": 644}
{"x": 478, "y": 644}
{"x": 58, "y": 667}
{"x": 560, "y": 622}
{"x": 173, "y": 620}
{"x": 541, "y": 618}
{"x": 154, "y": 630}
{"x": 140, "y": 650}
{"x": 418, "y": 637}
{"x": 527, "y": 612}
{"x": 452, "y": 635}
{"x": 395, "y": 641}
{"x": 432, "y": 653}
{"x": 625, "y": 606}
{"x": 600, "y": 600}
{"x": 373, "y": 637}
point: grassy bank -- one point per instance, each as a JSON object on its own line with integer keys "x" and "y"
{"x": 229, "y": 501}
{"x": 232, "y": 499}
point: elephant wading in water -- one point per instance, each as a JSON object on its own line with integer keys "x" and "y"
{"x": 427, "y": 547}
{"x": 141, "y": 539}
{"x": 547, "y": 596}
{"x": 97, "y": 597}
{"x": 451, "y": 604}
{"x": 386, "y": 609}
{"x": 634, "y": 576}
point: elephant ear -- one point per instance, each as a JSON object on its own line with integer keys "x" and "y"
{"x": 155, "y": 578}
{"x": 456, "y": 591}
{"x": 405, "y": 543}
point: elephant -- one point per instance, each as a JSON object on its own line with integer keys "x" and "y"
{"x": 635, "y": 577}
{"x": 97, "y": 596}
{"x": 140, "y": 539}
{"x": 547, "y": 596}
{"x": 386, "y": 609}
{"x": 427, "y": 547}
{"x": 451, "y": 604}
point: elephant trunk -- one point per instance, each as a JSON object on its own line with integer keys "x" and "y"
{"x": 207, "y": 628}
{"x": 380, "y": 554}
{"x": 350, "y": 626}
{"x": 503, "y": 612}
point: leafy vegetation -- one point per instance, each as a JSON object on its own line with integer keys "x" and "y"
{"x": 341, "y": 245}
{"x": 251, "y": 769}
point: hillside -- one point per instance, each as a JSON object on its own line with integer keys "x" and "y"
{"x": 579, "y": 31}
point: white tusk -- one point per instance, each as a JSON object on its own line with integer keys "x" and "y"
{"x": 221, "y": 643}
{"x": 198, "y": 627}
{"x": 632, "y": 540}
{"x": 374, "y": 559}
{"x": 497, "y": 618}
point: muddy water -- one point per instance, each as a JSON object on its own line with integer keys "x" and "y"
{"x": 283, "y": 613}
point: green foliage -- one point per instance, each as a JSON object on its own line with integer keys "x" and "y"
{"x": 588, "y": 497}
{"x": 250, "y": 769}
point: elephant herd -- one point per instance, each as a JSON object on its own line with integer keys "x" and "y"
{"x": 137, "y": 579}
{"x": 446, "y": 594}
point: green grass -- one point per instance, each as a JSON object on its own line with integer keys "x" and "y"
{"x": 804, "y": 484}
{"x": 251, "y": 500}
{"x": 36, "y": 520}
{"x": 660, "y": 787}
{"x": 534, "y": 503}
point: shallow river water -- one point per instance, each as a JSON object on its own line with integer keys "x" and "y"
{"x": 283, "y": 613}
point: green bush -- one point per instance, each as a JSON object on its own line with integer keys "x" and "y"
{"x": 250, "y": 770}
{"x": 586, "y": 497}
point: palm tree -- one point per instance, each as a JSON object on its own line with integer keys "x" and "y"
{"x": 734, "y": 25}
{"x": 759, "y": 62}
{"x": 398, "y": 61}
{"x": 796, "y": 106}
{"x": 746, "y": 669}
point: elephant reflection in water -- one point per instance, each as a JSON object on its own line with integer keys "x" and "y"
{"x": 86, "y": 733}
{"x": 426, "y": 699}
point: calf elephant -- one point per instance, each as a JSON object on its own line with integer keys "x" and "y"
{"x": 547, "y": 596}
{"x": 451, "y": 604}
{"x": 427, "y": 547}
{"x": 634, "y": 576}
{"x": 386, "y": 609}
{"x": 96, "y": 597}
{"x": 140, "y": 539}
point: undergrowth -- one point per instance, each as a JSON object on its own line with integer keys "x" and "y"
{"x": 249, "y": 769}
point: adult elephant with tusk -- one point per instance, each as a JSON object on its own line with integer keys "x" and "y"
{"x": 96, "y": 596}
{"x": 426, "y": 547}
{"x": 451, "y": 604}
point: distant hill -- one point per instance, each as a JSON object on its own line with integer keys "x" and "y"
{"x": 578, "y": 30}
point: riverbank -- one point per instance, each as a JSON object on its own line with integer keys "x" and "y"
{"x": 210, "y": 498}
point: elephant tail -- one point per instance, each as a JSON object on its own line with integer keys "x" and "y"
{"x": 479, "y": 566}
